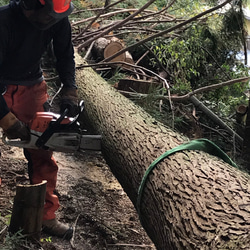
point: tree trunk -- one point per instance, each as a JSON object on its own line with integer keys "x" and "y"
{"x": 192, "y": 200}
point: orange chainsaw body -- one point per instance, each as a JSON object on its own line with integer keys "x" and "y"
{"x": 41, "y": 121}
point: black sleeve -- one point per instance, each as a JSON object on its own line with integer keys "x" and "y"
{"x": 4, "y": 110}
{"x": 64, "y": 52}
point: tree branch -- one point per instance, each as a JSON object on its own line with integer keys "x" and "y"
{"x": 167, "y": 30}
{"x": 119, "y": 24}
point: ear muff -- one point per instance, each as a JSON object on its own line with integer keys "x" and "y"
{"x": 58, "y": 6}
{"x": 61, "y": 6}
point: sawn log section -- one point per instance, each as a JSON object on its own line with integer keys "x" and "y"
{"x": 192, "y": 200}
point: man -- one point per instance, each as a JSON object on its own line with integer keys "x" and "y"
{"x": 27, "y": 27}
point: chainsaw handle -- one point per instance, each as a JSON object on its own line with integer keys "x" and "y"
{"x": 22, "y": 144}
{"x": 41, "y": 141}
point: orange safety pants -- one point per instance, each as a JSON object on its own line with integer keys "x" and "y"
{"x": 24, "y": 102}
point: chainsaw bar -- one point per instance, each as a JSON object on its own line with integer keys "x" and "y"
{"x": 60, "y": 142}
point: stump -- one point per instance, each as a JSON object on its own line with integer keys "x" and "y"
{"x": 27, "y": 210}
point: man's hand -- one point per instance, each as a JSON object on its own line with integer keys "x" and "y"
{"x": 69, "y": 100}
{"x": 13, "y": 128}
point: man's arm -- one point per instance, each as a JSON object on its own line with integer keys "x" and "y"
{"x": 64, "y": 52}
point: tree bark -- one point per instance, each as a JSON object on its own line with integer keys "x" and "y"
{"x": 192, "y": 200}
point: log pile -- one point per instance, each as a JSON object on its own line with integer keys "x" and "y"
{"x": 104, "y": 48}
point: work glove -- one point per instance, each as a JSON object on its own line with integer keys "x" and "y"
{"x": 69, "y": 100}
{"x": 14, "y": 128}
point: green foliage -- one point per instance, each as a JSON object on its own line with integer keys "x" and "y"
{"x": 182, "y": 57}
{"x": 48, "y": 239}
{"x": 6, "y": 219}
{"x": 133, "y": 4}
{"x": 202, "y": 55}
{"x": 116, "y": 76}
{"x": 188, "y": 8}
{"x": 3, "y": 2}
{"x": 14, "y": 241}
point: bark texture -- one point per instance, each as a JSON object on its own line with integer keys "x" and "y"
{"x": 192, "y": 200}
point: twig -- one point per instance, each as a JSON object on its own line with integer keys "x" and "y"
{"x": 89, "y": 51}
{"x": 145, "y": 54}
{"x": 130, "y": 245}
{"x": 74, "y": 229}
{"x": 3, "y": 230}
{"x": 157, "y": 13}
{"x": 107, "y": 15}
{"x": 166, "y": 31}
{"x": 200, "y": 90}
{"x": 227, "y": 138}
{"x": 119, "y": 24}
{"x": 96, "y": 17}
{"x": 210, "y": 87}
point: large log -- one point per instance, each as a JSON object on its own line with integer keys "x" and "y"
{"x": 191, "y": 200}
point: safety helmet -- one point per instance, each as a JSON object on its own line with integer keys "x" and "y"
{"x": 47, "y": 12}
{"x": 57, "y": 8}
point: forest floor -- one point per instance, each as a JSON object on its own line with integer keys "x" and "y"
{"x": 91, "y": 199}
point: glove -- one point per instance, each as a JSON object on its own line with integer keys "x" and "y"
{"x": 13, "y": 128}
{"x": 69, "y": 100}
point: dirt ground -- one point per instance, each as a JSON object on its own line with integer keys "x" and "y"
{"x": 92, "y": 201}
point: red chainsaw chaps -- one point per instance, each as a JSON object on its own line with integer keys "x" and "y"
{"x": 25, "y": 102}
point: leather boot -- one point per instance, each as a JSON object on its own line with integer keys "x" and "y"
{"x": 57, "y": 228}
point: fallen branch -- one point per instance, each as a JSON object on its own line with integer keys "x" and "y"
{"x": 118, "y": 24}
{"x": 72, "y": 243}
{"x": 95, "y": 18}
{"x": 168, "y": 30}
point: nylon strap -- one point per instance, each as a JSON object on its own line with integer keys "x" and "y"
{"x": 199, "y": 144}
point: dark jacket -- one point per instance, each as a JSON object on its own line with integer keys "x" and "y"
{"x": 22, "y": 46}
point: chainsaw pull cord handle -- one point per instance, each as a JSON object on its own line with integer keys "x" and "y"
{"x": 41, "y": 141}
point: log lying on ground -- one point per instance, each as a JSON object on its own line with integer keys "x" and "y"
{"x": 192, "y": 200}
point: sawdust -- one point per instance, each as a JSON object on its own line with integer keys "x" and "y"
{"x": 91, "y": 200}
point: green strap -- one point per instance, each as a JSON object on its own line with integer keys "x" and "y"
{"x": 199, "y": 144}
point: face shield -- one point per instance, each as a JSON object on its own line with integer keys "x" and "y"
{"x": 48, "y": 12}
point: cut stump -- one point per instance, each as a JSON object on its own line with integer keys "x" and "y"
{"x": 27, "y": 210}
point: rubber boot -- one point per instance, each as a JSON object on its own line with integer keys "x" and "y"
{"x": 57, "y": 228}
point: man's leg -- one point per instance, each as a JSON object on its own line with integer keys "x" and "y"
{"x": 24, "y": 102}
{"x": 42, "y": 166}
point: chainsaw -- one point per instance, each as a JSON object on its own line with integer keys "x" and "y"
{"x": 51, "y": 131}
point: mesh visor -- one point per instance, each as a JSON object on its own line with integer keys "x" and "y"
{"x": 58, "y": 8}
{"x": 50, "y": 12}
